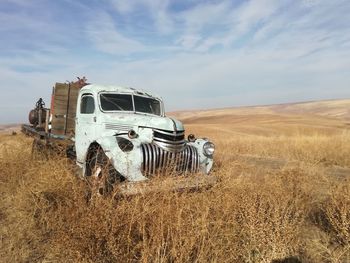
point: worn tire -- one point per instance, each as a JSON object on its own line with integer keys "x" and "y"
{"x": 100, "y": 173}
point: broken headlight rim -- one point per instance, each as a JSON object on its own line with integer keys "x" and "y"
{"x": 132, "y": 134}
{"x": 124, "y": 144}
{"x": 208, "y": 149}
{"x": 191, "y": 138}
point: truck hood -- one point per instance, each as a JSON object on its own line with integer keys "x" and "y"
{"x": 143, "y": 120}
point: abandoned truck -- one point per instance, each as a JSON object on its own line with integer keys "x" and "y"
{"x": 119, "y": 127}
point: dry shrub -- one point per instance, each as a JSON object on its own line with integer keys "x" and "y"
{"x": 270, "y": 216}
{"x": 241, "y": 223}
{"x": 332, "y": 244}
{"x": 337, "y": 211}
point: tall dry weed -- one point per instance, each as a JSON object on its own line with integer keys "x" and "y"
{"x": 333, "y": 217}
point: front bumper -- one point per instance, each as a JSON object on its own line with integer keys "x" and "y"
{"x": 177, "y": 184}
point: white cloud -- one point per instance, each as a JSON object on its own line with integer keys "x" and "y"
{"x": 196, "y": 19}
{"x": 103, "y": 33}
{"x": 124, "y": 6}
{"x": 157, "y": 10}
{"x": 189, "y": 41}
{"x": 254, "y": 11}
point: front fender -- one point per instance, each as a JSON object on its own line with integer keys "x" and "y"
{"x": 205, "y": 163}
{"x": 128, "y": 164}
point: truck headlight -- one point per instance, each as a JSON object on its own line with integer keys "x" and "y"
{"x": 209, "y": 149}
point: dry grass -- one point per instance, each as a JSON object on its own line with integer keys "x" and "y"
{"x": 251, "y": 215}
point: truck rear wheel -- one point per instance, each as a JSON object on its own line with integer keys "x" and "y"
{"x": 100, "y": 173}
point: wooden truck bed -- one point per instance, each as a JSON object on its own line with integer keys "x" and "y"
{"x": 63, "y": 108}
{"x": 55, "y": 126}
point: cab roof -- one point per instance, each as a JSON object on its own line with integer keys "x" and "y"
{"x": 118, "y": 89}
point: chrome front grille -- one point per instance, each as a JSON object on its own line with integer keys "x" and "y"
{"x": 156, "y": 159}
{"x": 169, "y": 140}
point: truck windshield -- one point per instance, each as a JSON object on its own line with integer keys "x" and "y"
{"x": 116, "y": 102}
{"x": 123, "y": 102}
{"x": 147, "y": 105}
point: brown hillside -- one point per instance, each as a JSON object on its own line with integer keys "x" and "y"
{"x": 328, "y": 108}
{"x": 323, "y": 117}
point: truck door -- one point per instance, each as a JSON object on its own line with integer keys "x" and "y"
{"x": 85, "y": 125}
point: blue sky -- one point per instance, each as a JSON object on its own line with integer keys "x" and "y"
{"x": 195, "y": 54}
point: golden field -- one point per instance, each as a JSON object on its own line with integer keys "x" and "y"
{"x": 283, "y": 194}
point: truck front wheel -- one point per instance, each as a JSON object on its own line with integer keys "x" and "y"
{"x": 100, "y": 173}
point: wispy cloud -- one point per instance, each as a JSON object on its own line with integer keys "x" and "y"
{"x": 104, "y": 35}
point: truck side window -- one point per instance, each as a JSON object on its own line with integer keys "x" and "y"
{"x": 87, "y": 105}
